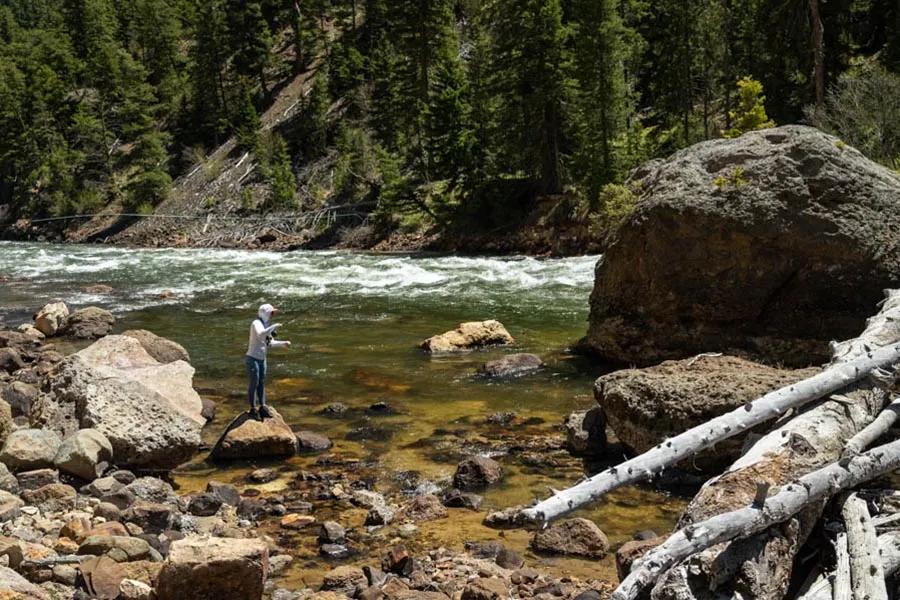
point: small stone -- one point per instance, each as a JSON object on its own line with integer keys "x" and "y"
{"x": 204, "y": 505}
{"x": 226, "y": 493}
{"x": 486, "y": 588}
{"x": 631, "y": 551}
{"x": 84, "y": 454}
{"x": 397, "y": 560}
{"x": 407, "y": 530}
{"x": 476, "y": 473}
{"x": 423, "y": 508}
{"x": 279, "y": 563}
{"x": 263, "y": 475}
{"x": 345, "y": 579}
{"x": 459, "y": 499}
{"x": 130, "y": 589}
{"x": 589, "y": 595}
{"x": 332, "y": 532}
{"x": 310, "y": 442}
{"x": 380, "y": 515}
{"x": 297, "y": 521}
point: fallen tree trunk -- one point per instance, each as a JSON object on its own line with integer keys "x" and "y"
{"x": 811, "y": 489}
{"x": 874, "y": 430}
{"x": 866, "y": 570}
{"x": 854, "y": 361}
{"x": 761, "y": 566}
{"x": 824, "y": 587}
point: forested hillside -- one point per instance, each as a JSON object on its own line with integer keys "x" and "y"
{"x": 436, "y": 111}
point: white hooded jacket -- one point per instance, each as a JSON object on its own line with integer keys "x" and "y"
{"x": 261, "y": 334}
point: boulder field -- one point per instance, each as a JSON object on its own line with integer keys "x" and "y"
{"x": 773, "y": 243}
{"x": 149, "y": 411}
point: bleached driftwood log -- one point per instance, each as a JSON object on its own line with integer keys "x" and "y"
{"x": 854, "y": 360}
{"x": 826, "y": 586}
{"x": 866, "y": 570}
{"x": 761, "y": 566}
{"x": 843, "y": 586}
{"x": 874, "y": 430}
{"x": 810, "y": 489}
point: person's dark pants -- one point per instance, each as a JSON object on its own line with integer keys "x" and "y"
{"x": 256, "y": 373}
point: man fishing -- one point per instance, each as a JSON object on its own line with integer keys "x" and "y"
{"x": 262, "y": 336}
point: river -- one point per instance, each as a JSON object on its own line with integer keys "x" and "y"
{"x": 355, "y": 320}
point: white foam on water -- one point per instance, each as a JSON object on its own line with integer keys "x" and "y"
{"x": 140, "y": 276}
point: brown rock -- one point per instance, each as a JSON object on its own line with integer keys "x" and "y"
{"x": 476, "y": 473}
{"x": 345, "y": 579}
{"x": 53, "y": 497}
{"x": 775, "y": 242}
{"x": 647, "y": 406}
{"x": 427, "y": 507}
{"x": 468, "y": 336}
{"x": 90, "y": 323}
{"x": 577, "y": 537}
{"x": 118, "y": 548}
{"x": 486, "y": 588}
{"x": 214, "y": 569}
{"x": 514, "y": 365}
{"x": 246, "y": 438}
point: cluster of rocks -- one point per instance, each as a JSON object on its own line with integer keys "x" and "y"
{"x": 474, "y": 335}
{"x": 489, "y": 571}
{"x": 85, "y": 323}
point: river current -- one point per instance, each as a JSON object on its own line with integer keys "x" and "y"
{"x": 355, "y": 321}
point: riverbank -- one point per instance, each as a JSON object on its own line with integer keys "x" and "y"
{"x": 549, "y": 228}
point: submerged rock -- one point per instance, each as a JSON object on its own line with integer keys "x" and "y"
{"x": 468, "y": 336}
{"x": 149, "y": 411}
{"x": 477, "y": 472}
{"x": 774, "y": 242}
{"x": 577, "y": 537}
{"x": 514, "y": 365}
{"x": 309, "y": 442}
{"x": 247, "y": 437}
{"x": 646, "y": 406}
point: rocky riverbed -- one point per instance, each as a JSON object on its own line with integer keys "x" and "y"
{"x": 92, "y": 425}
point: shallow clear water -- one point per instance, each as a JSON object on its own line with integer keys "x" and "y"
{"x": 355, "y": 320}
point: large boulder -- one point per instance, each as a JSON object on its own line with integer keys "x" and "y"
{"x": 52, "y": 318}
{"x": 90, "y": 323}
{"x": 468, "y": 336}
{"x": 84, "y": 454}
{"x": 214, "y": 569}
{"x": 160, "y": 348}
{"x": 774, "y": 242}
{"x": 646, "y": 406}
{"x": 247, "y": 437}
{"x": 148, "y": 411}
{"x": 28, "y": 449}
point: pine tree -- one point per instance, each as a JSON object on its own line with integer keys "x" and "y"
{"x": 530, "y": 83}
{"x": 602, "y": 45}
{"x": 750, "y": 114}
{"x": 249, "y": 40}
{"x": 246, "y": 121}
{"x": 209, "y": 96}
